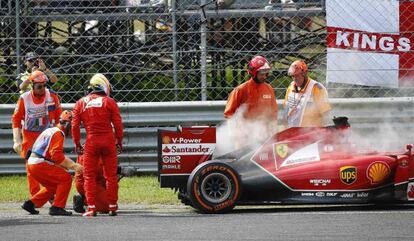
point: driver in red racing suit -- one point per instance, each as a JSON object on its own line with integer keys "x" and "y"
{"x": 101, "y": 200}
{"x": 99, "y": 114}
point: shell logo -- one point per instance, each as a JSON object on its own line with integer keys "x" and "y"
{"x": 166, "y": 140}
{"x": 378, "y": 172}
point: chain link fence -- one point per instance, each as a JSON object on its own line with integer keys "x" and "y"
{"x": 166, "y": 50}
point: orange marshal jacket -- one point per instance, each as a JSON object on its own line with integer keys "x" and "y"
{"x": 46, "y": 111}
{"x": 259, "y": 100}
{"x": 50, "y": 146}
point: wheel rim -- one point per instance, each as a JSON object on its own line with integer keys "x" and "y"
{"x": 216, "y": 187}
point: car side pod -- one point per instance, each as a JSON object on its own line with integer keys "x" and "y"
{"x": 214, "y": 187}
{"x": 402, "y": 184}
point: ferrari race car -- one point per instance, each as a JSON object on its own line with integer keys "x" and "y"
{"x": 295, "y": 166}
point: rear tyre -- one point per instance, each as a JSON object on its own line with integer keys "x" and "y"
{"x": 214, "y": 187}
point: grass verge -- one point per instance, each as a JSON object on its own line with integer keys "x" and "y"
{"x": 132, "y": 190}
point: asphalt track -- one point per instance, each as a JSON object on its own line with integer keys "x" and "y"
{"x": 136, "y": 222}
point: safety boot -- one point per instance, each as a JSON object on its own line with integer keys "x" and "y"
{"x": 112, "y": 209}
{"x": 91, "y": 212}
{"x": 57, "y": 211}
{"x": 78, "y": 203}
{"x": 30, "y": 207}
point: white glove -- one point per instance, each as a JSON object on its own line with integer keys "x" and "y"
{"x": 17, "y": 147}
{"x": 17, "y": 139}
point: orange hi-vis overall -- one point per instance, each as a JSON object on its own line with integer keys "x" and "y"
{"x": 33, "y": 115}
{"x": 43, "y": 165}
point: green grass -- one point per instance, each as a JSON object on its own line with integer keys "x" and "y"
{"x": 136, "y": 190}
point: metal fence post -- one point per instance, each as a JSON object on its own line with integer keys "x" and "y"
{"x": 174, "y": 46}
{"x": 18, "y": 47}
{"x": 203, "y": 59}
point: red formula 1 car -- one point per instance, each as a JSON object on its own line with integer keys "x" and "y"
{"x": 295, "y": 166}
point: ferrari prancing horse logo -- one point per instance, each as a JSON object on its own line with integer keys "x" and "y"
{"x": 282, "y": 150}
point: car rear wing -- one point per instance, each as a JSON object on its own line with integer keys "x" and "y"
{"x": 181, "y": 150}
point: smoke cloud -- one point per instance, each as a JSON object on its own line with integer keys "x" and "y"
{"x": 375, "y": 127}
{"x": 238, "y": 131}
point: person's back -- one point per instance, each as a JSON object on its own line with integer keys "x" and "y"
{"x": 97, "y": 113}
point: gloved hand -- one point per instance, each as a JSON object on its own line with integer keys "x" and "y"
{"x": 119, "y": 148}
{"x": 17, "y": 140}
{"x": 79, "y": 149}
{"x": 17, "y": 147}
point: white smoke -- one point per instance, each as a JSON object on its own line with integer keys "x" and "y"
{"x": 238, "y": 131}
{"x": 377, "y": 128}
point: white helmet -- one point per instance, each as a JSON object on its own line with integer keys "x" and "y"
{"x": 100, "y": 82}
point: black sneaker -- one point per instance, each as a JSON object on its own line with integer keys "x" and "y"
{"x": 78, "y": 203}
{"x": 30, "y": 207}
{"x": 56, "y": 211}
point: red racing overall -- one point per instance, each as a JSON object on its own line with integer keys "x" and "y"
{"x": 101, "y": 197}
{"x": 99, "y": 113}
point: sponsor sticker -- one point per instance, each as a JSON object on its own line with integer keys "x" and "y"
{"x": 98, "y": 102}
{"x": 183, "y": 140}
{"x": 264, "y": 156}
{"x": 362, "y": 194}
{"x": 282, "y": 150}
{"x": 171, "y": 159}
{"x": 265, "y": 96}
{"x": 320, "y": 194}
{"x": 322, "y": 182}
{"x": 347, "y": 195}
{"x": 187, "y": 149}
{"x": 309, "y": 153}
{"x": 377, "y": 172}
{"x": 175, "y": 167}
{"x": 307, "y": 194}
{"x": 166, "y": 140}
{"x": 348, "y": 174}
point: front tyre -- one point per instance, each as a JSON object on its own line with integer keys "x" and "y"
{"x": 214, "y": 187}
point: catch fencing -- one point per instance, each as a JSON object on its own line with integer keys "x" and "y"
{"x": 380, "y": 121}
{"x": 159, "y": 50}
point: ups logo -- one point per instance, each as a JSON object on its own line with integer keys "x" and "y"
{"x": 348, "y": 174}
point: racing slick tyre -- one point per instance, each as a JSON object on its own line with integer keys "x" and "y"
{"x": 214, "y": 187}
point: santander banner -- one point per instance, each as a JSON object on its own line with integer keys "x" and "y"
{"x": 370, "y": 42}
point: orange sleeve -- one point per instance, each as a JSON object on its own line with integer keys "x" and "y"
{"x": 321, "y": 99}
{"x": 18, "y": 115}
{"x": 233, "y": 103}
{"x": 56, "y": 148}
